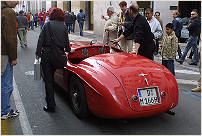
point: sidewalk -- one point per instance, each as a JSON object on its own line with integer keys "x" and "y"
{"x": 88, "y": 36}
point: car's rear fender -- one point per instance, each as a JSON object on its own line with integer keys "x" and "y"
{"x": 103, "y": 90}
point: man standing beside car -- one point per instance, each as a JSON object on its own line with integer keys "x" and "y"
{"x": 111, "y": 26}
{"x": 155, "y": 28}
{"x": 143, "y": 37}
{"x": 177, "y": 27}
{"x": 194, "y": 29}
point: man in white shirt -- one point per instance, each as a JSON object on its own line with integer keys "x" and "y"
{"x": 155, "y": 28}
{"x": 111, "y": 26}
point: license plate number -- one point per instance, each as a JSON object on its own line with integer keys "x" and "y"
{"x": 149, "y": 96}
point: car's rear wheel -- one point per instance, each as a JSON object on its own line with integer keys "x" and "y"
{"x": 78, "y": 97}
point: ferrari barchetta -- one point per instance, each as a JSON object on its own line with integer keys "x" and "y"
{"x": 111, "y": 83}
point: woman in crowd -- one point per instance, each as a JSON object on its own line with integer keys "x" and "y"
{"x": 60, "y": 36}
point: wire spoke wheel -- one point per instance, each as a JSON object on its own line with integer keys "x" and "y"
{"x": 78, "y": 97}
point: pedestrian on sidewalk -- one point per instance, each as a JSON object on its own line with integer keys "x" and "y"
{"x": 143, "y": 37}
{"x": 60, "y": 32}
{"x": 23, "y": 27}
{"x": 74, "y": 21}
{"x": 169, "y": 48}
{"x": 69, "y": 21}
{"x": 198, "y": 88}
{"x": 8, "y": 56}
{"x": 177, "y": 27}
{"x": 81, "y": 18}
{"x": 194, "y": 32}
{"x": 155, "y": 28}
{"x": 111, "y": 26}
{"x": 42, "y": 17}
{"x": 35, "y": 20}
{"x": 125, "y": 23}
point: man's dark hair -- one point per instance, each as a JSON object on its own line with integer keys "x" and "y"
{"x": 195, "y": 10}
{"x": 169, "y": 25}
{"x": 149, "y": 9}
{"x": 157, "y": 12}
{"x": 133, "y": 9}
{"x": 81, "y": 10}
{"x": 122, "y": 3}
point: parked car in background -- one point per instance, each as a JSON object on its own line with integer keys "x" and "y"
{"x": 184, "y": 32}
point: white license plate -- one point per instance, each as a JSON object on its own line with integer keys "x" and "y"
{"x": 149, "y": 96}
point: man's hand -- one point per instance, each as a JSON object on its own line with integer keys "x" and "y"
{"x": 102, "y": 17}
{"x": 14, "y": 62}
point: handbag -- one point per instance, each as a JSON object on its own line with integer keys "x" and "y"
{"x": 58, "y": 57}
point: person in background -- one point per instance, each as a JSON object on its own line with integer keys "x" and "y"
{"x": 194, "y": 32}
{"x": 169, "y": 48}
{"x": 81, "y": 18}
{"x": 74, "y": 21}
{"x": 125, "y": 23}
{"x": 198, "y": 88}
{"x": 43, "y": 51}
{"x": 157, "y": 16}
{"x": 28, "y": 18}
{"x": 42, "y": 17}
{"x": 23, "y": 27}
{"x": 69, "y": 21}
{"x": 155, "y": 28}
{"x": 32, "y": 21}
{"x": 35, "y": 20}
{"x": 143, "y": 37}
{"x": 177, "y": 27}
{"x": 111, "y": 26}
{"x": 8, "y": 56}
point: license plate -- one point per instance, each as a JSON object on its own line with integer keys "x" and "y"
{"x": 149, "y": 96}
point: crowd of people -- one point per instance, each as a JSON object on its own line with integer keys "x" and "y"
{"x": 136, "y": 33}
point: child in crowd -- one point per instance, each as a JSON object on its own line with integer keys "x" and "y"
{"x": 169, "y": 48}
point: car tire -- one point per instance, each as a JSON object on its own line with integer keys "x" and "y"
{"x": 77, "y": 97}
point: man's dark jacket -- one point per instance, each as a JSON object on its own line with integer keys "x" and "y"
{"x": 69, "y": 19}
{"x": 195, "y": 26}
{"x": 128, "y": 24}
{"x": 142, "y": 35}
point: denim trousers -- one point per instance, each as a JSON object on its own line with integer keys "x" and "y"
{"x": 81, "y": 28}
{"x": 6, "y": 89}
{"x": 169, "y": 64}
{"x": 41, "y": 25}
{"x": 192, "y": 42}
{"x": 73, "y": 27}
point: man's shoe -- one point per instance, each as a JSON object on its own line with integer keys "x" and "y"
{"x": 22, "y": 46}
{"x": 193, "y": 63}
{"x": 48, "y": 109}
{"x": 196, "y": 90}
{"x": 25, "y": 45}
{"x": 179, "y": 61}
{"x": 12, "y": 113}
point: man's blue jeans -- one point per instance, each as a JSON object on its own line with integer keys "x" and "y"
{"x": 192, "y": 42}
{"x": 6, "y": 89}
{"x": 169, "y": 64}
{"x": 73, "y": 27}
{"x": 81, "y": 28}
{"x": 41, "y": 25}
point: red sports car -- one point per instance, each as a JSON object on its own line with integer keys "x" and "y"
{"x": 111, "y": 83}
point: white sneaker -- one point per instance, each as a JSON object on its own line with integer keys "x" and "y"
{"x": 12, "y": 113}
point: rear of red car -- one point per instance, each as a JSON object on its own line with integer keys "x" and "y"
{"x": 145, "y": 87}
